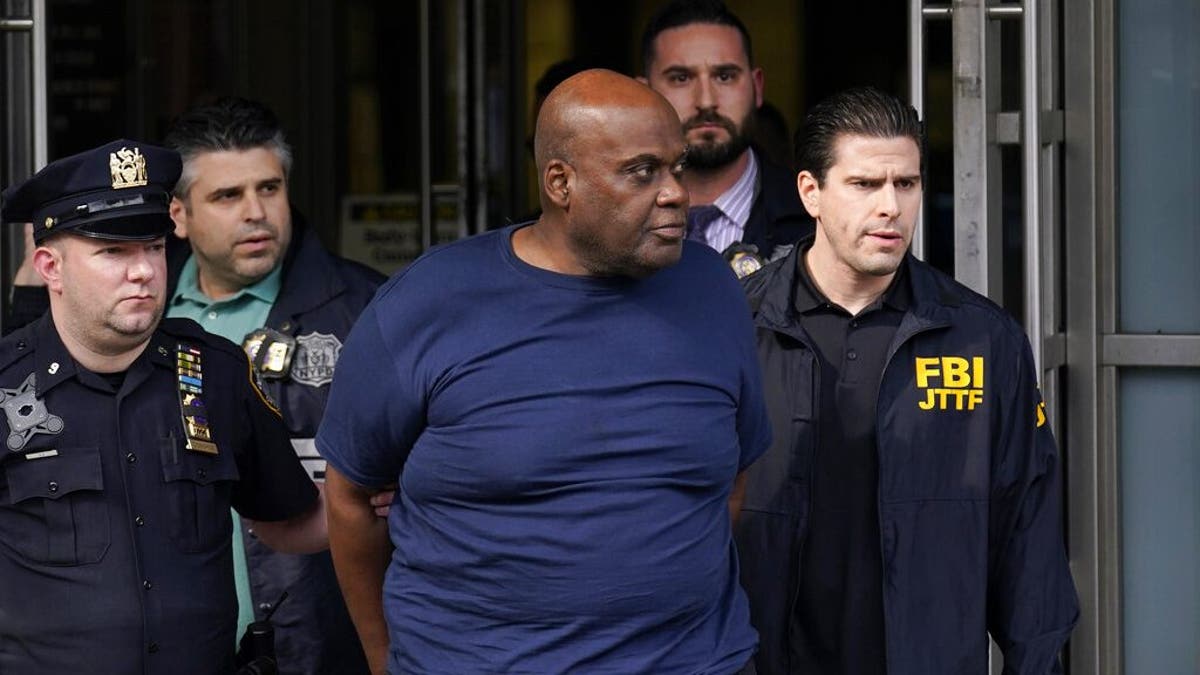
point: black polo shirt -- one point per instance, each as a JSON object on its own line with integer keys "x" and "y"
{"x": 114, "y": 536}
{"x": 838, "y": 621}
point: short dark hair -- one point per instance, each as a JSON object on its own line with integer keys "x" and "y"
{"x": 680, "y": 13}
{"x": 228, "y": 123}
{"x": 862, "y": 111}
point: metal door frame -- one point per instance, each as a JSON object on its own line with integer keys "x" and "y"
{"x": 25, "y": 86}
{"x": 24, "y": 143}
{"x": 1097, "y": 348}
{"x": 980, "y": 128}
{"x": 1091, "y": 506}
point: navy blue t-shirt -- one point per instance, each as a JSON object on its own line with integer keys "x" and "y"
{"x": 565, "y": 448}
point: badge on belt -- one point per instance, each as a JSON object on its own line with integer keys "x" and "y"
{"x": 270, "y": 352}
{"x": 191, "y": 405}
{"x": 743, "y": 258}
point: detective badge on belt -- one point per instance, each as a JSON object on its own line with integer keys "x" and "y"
{"x": 270, "y": 352}
{"x": 191, "y": 405}
{"x": 743, "y": 258}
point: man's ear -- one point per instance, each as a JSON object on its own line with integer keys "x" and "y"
{"x": 48, "y": 261}
{"x": 179, "y": 215}
{"x": 810, "y": 193}
{"x": 558, "y": 179}
{"x": 757, "y": 76}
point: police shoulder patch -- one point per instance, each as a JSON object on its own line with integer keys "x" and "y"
{"x": 256, "y": 385}
{"x": 316, "y": 356}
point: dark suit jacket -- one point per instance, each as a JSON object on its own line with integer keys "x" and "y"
{"x": 777, "y": 217}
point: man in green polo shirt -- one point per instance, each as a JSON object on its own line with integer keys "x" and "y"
{"x": 259, "y": 278}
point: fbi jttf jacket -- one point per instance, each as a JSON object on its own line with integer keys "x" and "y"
{"x": 969, "y": 496}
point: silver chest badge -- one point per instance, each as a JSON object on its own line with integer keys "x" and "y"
{"x": 27, "y": 415}
{"x": 316, "y": 355}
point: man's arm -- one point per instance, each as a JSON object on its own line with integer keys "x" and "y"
{"x": 1032, "y": 604}
{"x": 361, "y": 551}
{"x": 306, "y": 533}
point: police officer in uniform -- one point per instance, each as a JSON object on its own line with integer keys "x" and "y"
{"x": 251, "y": 270}
{"x": 127, "y": 440}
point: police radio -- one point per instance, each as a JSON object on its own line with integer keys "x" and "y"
{"x": 256, "y": 649}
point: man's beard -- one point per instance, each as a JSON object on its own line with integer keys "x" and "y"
{"x": 716, "y": 155}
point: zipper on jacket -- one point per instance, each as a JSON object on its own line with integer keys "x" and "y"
{"x": 896, "y": 345}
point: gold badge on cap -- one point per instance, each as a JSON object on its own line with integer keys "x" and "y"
{"x": 128, "y": 168}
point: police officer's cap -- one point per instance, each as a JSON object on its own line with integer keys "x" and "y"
{"x": 121, "y": 190}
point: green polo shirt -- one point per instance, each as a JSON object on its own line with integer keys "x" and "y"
{"x": 231, "y": 318}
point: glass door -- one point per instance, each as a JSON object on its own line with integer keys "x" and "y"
{"x": 1155, "y": 348}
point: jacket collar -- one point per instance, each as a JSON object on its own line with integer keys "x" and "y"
{"x": 54, "y": 365}
{"x": 52, "y": 362}
{"x": 897, "y": 296}
{"x": 772, "y": 293}
{"x": 314, "y": 285}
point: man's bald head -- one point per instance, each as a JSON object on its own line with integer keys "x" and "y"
{"x": 583, "y": 104}
{"x": 610, "y": 154}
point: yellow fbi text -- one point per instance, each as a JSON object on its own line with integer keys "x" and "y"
{"x": 950, "y": 382}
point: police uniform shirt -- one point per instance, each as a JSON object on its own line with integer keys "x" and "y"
{"x": 839, "y": 614}
{"x": 114, "y": 536}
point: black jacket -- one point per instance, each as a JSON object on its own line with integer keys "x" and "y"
{"x": 969, "y": 494}
{"x": 777, "y": 217}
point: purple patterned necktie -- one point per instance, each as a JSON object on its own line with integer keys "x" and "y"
{"x": 698, "y": 220}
